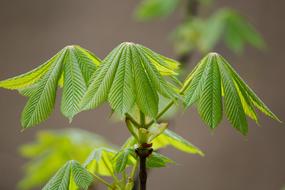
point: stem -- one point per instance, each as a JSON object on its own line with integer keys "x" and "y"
{"x": 133, "y": 172}
{"x": 103, "y": 181}
{"x": 142, "y": 119}
{"x": 191, "y": 11}
{"x": 129, "y": 117}
{"x": 165, "y": 109}
{"x": 143, "y": 173}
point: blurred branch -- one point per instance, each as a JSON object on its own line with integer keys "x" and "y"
{"x": 192, "y": 10}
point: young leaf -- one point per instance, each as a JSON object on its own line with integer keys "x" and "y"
{"x": 76, "y": 77}
{"x": 100, "y": 161}
{"x": 130, "y": 75}
{"x": 29, "y": 78}
{"x": 123, "y": 158}
{"x": 71, "y": 173}
{"x": 169, "y": 137}
{"x": 71, "y": 68}
{"x": 156, "y": 160}
{"x": 41, "y": 102}
{"x": 222, "y": 80}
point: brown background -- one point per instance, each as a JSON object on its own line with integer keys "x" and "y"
{"x": 33, "y": 30}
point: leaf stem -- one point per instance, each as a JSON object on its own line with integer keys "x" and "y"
{"x": 103, "y": 181}
{"x": 134, "y": 169}
{"x": 142, "y": 120}
{"x": 129, "y": 117}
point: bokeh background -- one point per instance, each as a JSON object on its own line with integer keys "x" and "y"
{"x": 33, "y": 30}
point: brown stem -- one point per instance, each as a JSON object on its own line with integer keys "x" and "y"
{"x": 143, "y": 173}
{"x": 143, "y": 152}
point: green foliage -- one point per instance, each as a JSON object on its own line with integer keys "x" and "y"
{"x": 150, "y": 9}
{"x": 156, "y": 160}
{"x": 131, "y": 75}
{"x": 71, "y": 67}
{"x": 124, "y": 157}
{"x": 170, "y": 138}
{"x": 100, "y": 161}
{"x": 214, "y": 78}
{"x": 225, "y": 24}
{"x": 52, "y": 149}
{"x": 71, "y": 176}
{"x": 134, "y": 80}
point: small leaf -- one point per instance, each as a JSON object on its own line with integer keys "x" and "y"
{"x": 100, "y": 161}
{"x": 168, "y": 137}
{"x": 156, "y": 160}
{"x": 123, "y": 158}
{"x": 71, "y": 172}
{"x": 155, "y": 130}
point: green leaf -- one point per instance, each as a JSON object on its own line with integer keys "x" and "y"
{"x": 52, "y": 149}
{"x": 29, "y": 78}
{"x": 41, "y": 102}
{"x": 233, "y": 106}
{"x": 71, "y": 172}
{"x": 130, "y": 75}
{"x": 156, "y": 160}
{"x": 169, "y": 137}
{"x": 150, "y": 9}
{"x": 221, "y": 80}
{"x": 210, "y": 102}
{"x": 77, "y": 70}
{"x": 123, "y": 158}
{"x": 71, "y": 68}
{"x": 100, "y": 161}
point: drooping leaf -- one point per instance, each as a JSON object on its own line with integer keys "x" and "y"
{"x": 156, "y": 160}
{"x": 221, "y": 80}
{"x": 123, "y": 158}
{"x": 71, "y": 173}
{"x": 169, "y": 137}
{"x": 78, "y": 68}
{"x": 51, "y": 150}
{"x": 130, "y": 75}
{"x": 41, "y": 103}
{"x": 210, "y": 105}
{"x": 29, "y": 78}
{"x": 71, "y": 68}
{"x": 100, "y": 161}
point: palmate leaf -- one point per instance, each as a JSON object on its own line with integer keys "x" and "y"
{"x": 213, "y": 78}
{"x": 71, "y": 176}
{"x": 71, "y": 68}
{"x": 131, "y": 75}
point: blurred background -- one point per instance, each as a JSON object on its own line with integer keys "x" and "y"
{"x": 34, "y": 30}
